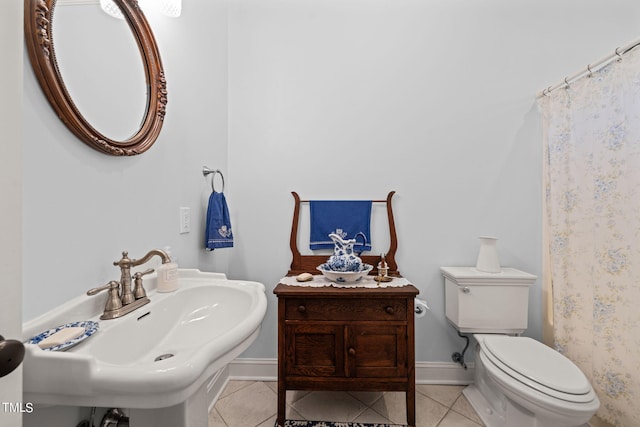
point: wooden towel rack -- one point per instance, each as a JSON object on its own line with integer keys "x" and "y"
{"x": 308, "y": 263}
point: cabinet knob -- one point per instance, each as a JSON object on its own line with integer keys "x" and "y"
{"x": 352, "y": 351}
{"x": 389, "y": 310}
{"x": 302, "y": 308}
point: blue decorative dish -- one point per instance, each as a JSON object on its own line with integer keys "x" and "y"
{"x": 344, "y": 276}
{"x": 89, "y": 326}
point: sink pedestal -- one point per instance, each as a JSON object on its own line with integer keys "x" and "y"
{"x": 192, "y": 412}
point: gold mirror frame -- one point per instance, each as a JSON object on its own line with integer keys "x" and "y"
{"x": 38, "y": 25}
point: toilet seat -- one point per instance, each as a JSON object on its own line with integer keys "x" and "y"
{"x": 538, "y": 367}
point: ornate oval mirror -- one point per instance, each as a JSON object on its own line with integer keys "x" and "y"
{"x": 38, "y": 24}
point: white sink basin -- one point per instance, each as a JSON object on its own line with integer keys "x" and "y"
{"x": 155, "y": 357}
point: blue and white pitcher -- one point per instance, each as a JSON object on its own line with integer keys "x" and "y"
{"x": 344, "y": 257}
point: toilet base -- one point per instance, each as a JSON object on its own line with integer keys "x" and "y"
{"x": 489, "y": 416}
{"x": 506, "y": 415}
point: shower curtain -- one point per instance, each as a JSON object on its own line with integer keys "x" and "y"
{"x": 591, "y": 136}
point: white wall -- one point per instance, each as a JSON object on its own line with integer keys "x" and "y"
{"x": 331, "y": 98}
{"x": 434, "y": 99}
{"x": 11, "y": 191}
{"x": 83, "y": 208}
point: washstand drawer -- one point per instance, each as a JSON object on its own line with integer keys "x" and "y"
{"x": 345, "y": 309}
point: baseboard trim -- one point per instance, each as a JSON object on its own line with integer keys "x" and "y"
{"x": 450, "y": 373}
{"x": 248, "y": 369}
{"x": 251, "y": 369}
{"x": 444, "y": 373}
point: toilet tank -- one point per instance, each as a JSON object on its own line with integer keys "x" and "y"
{"x": 478, "y": 302}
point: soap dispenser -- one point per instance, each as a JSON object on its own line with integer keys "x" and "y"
{"x": 168, "y": 274}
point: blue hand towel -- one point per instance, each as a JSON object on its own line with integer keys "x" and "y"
{"x": 218, "y": 229}
{"x": 345, "y": 218}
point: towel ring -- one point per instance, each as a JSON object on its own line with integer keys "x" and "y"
{"x": 206, "y": 171}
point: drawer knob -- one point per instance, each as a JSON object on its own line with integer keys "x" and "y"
{"x": 302, "y": 308}
{"x": 389, "y": 310}
{"x": 352, "y": 351}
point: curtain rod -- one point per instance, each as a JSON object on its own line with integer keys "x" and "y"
{"x": 617, "y": 54}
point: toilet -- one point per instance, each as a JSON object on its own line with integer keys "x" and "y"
{"x": 518, "y": 381}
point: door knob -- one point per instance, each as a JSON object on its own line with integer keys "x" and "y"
{"x": 11, "y": 355}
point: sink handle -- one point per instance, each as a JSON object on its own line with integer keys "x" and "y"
{"x": 110, "y": 285}
{"x": 138, "y": 289}
{"x": 144, "y": 273}
{"x": 113, "y": 301}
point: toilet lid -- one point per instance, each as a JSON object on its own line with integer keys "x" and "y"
{"x": 538, "y": 363}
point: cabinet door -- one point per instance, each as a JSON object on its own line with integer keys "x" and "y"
{"x": 376, "y": 350}
{"x": 314, "y": 349}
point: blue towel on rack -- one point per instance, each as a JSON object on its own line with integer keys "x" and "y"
{"x": 218, "y": 227}
{"x": 345, "y": 218}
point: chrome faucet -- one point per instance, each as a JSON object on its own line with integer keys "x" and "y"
{"x": 122, "y": 299}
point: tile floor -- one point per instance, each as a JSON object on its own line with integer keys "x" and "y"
{"x": 253, "y": 404}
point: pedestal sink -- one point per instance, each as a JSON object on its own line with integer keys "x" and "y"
{"x": 159, "y": 356}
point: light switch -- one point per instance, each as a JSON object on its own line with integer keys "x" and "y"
{"x": 185, "y": 220}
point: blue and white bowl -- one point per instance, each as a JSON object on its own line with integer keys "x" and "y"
{"x": 341, "y": 262}
{"x": 344, "y": 276}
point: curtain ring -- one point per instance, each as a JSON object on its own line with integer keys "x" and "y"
{"x": 589, "y": 69}
{"x": 566, "y": 82}
{"x": 206, "y": 171}
{"x": 618, "y": 54}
